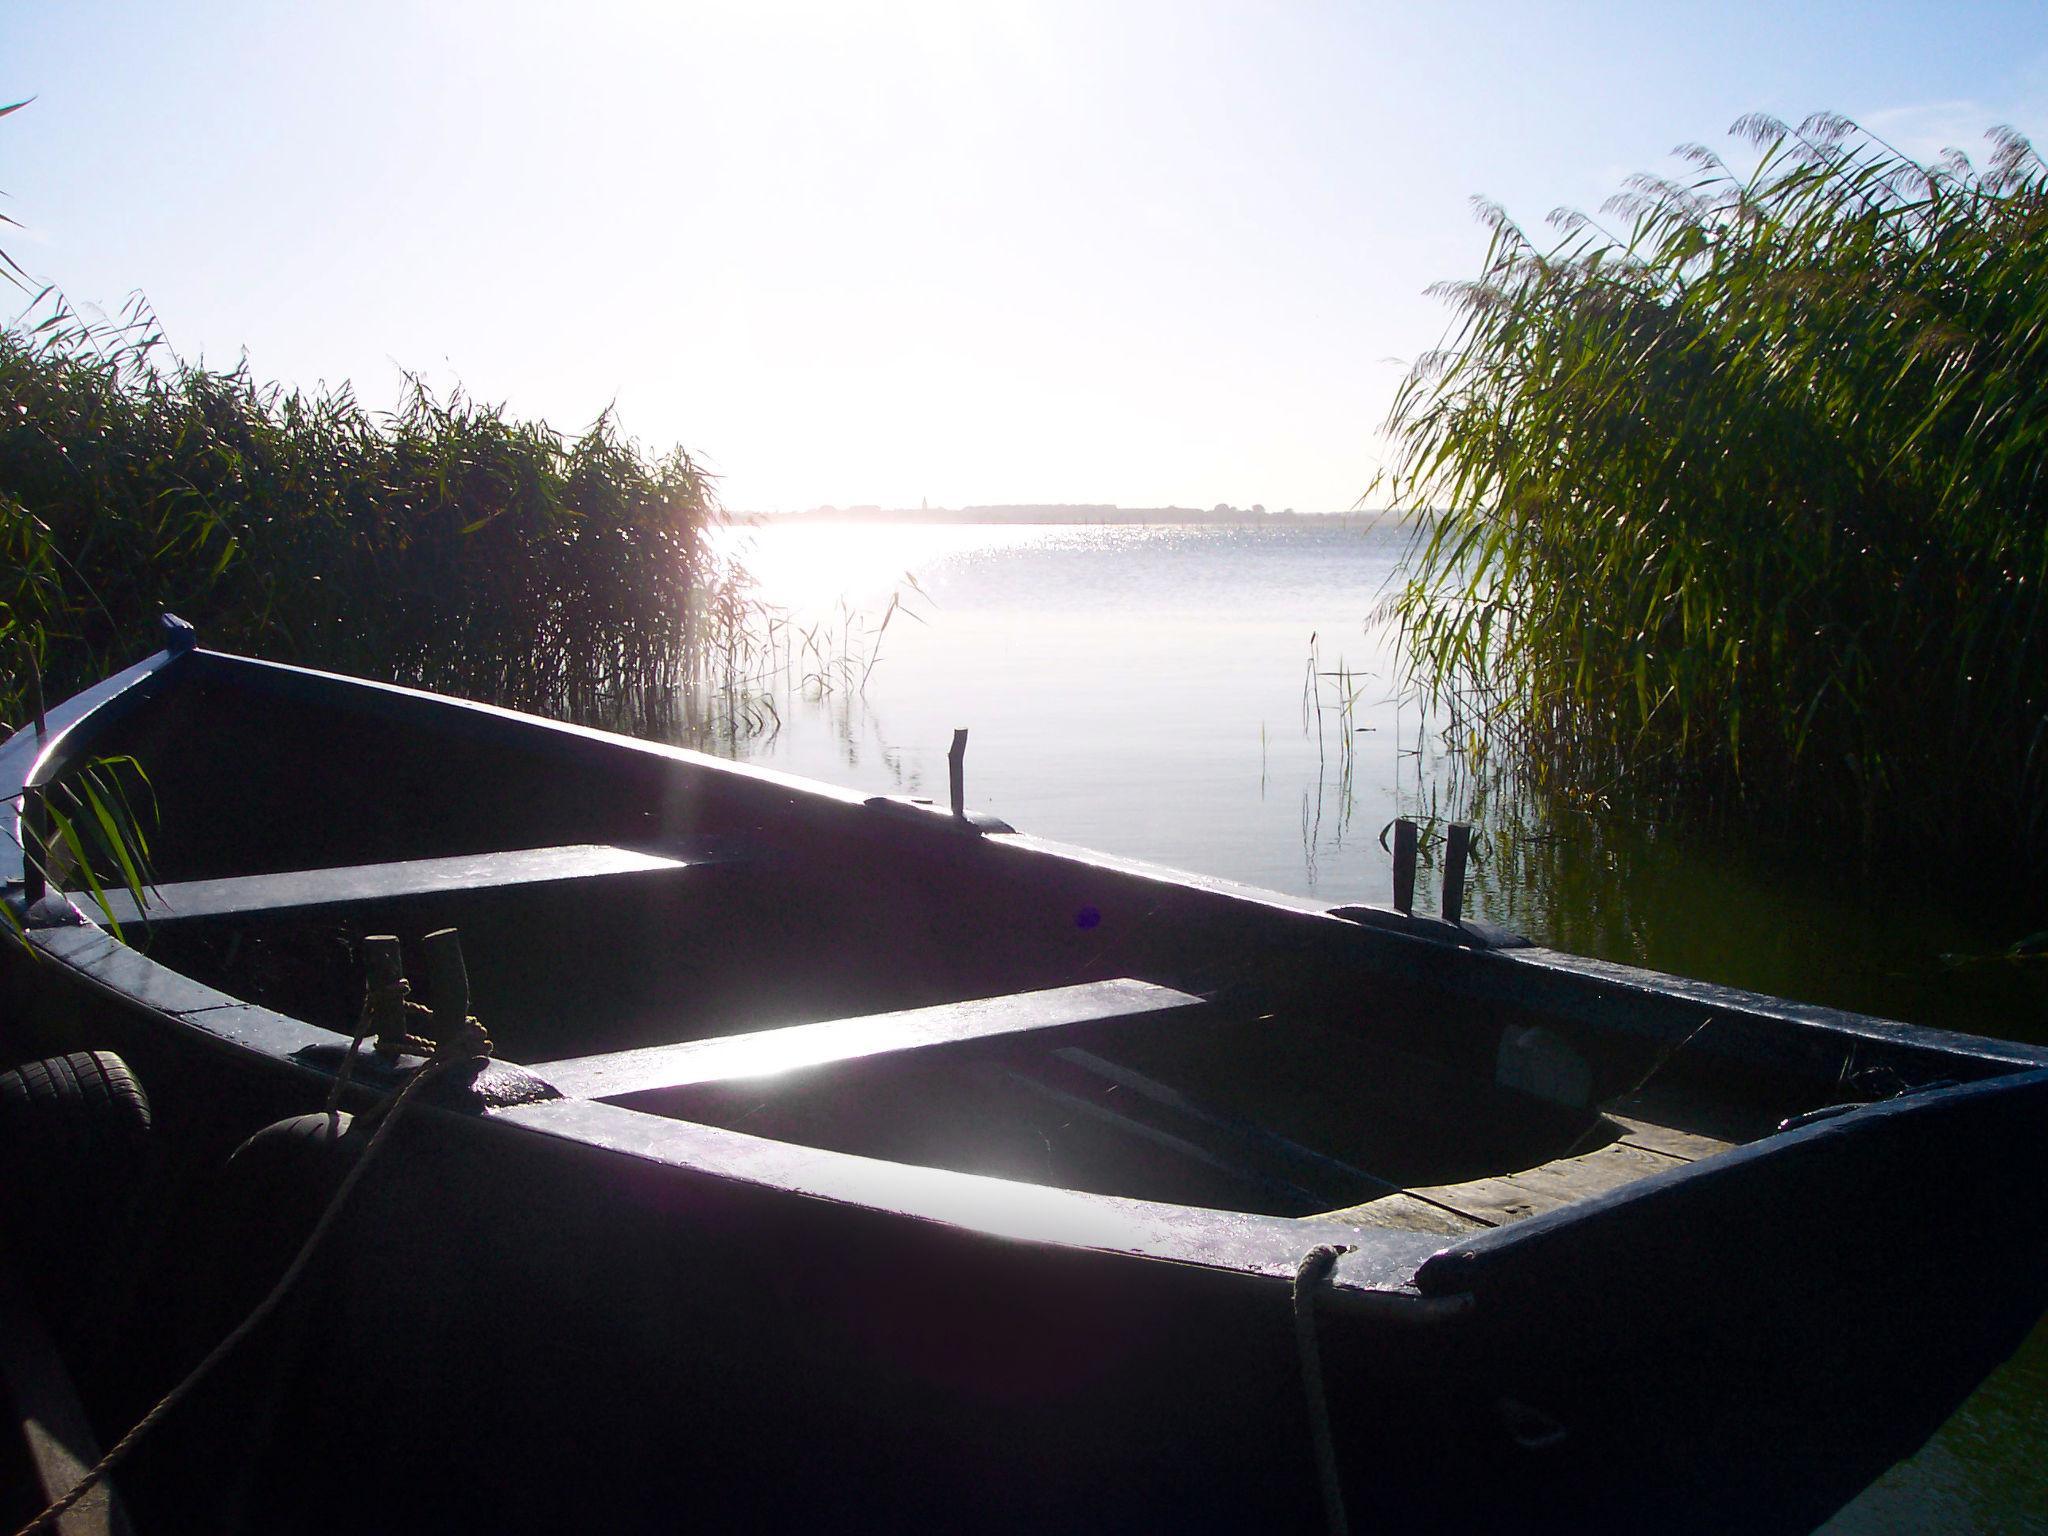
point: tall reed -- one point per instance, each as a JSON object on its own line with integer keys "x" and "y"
{"x": 446, "y": 544}
{"x": 1747, "y": 501}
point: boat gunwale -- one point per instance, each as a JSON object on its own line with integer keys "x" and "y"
{"x": 30, "y": 757}
{"x": 1209, "y": 1238}
{"x": 1450, "y": 1271}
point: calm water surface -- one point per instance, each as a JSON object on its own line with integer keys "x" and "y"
{"x": 1147, "y": 690}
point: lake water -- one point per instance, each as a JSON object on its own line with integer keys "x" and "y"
{"x": 1146, "y": 690}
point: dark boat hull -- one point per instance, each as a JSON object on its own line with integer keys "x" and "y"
{"x": 550, "y": 1312}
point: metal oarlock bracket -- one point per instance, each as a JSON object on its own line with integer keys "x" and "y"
{"x": 35, "y": 845}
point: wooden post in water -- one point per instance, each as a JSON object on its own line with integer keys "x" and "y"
{"x": 449, "y": 978}
{"x": 1457, "y": 843}
{"x": 956, "y": 772}
{"x": 1404, "y": 865}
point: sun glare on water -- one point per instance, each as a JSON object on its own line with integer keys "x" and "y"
{"x": 808, "y": 568}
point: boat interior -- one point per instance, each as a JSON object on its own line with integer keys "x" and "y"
{"x": 720, "y": 946}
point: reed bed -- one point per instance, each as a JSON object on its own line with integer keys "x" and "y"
{"x": 1745, "y": 501}
{"x": 445, "y": 544}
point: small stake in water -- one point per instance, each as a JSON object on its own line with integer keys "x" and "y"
{"x": 1404, "y": 865}
{"x": 956, "y": 772}
{"x": 1457, "y": 843}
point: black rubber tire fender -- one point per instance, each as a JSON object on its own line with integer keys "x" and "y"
{"x": 87, "y": 1101}
{"x": 299, "y": 1160}
{"x": 272, "y": 1192}
{"x": 76, "y": 1164}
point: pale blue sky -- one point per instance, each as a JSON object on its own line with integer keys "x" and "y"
{"x": 1141, "y": 253}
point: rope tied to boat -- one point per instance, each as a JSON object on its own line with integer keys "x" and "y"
{"x": 1314, "y": 1271}
{"x": 466, "y": 1044}
{"x": 381, "y": 1002}
{"x": 386, "y": 1007}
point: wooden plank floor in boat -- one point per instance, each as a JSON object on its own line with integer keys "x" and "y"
{"x": 1643, "y": 1147}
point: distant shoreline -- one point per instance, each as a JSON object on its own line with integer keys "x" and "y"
{"x": 1070, "y": 514}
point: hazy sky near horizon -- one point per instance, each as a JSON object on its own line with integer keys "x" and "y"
{"x": 1141, "y": 253}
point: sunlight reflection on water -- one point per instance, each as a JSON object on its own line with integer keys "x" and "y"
{"x": 1138, "y": 689}
{"x": 810, "y": 568}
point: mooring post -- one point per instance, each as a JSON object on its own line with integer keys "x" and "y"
{"x": 956, "y": 773}
{"x": 449, "y": 979}
{"x": 1457, "y": 843}
{"x": 1404, "y": 864}
{"x": 384, "y": 977}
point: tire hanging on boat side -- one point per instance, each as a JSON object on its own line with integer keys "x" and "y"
{"x": 77, "y": 1159}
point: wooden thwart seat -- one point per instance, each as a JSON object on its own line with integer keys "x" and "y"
{"x": 762, "y": 1052}
{"x": 295, "y": 890}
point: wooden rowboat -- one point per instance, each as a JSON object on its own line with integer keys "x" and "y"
{"x": 847, "y": 1163}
